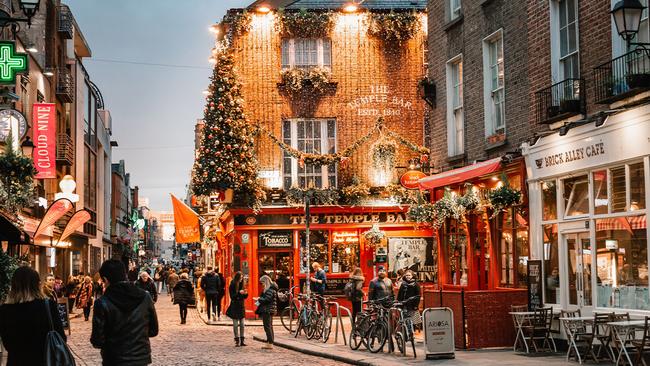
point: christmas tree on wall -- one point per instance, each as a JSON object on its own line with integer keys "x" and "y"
{"x": 226, "y": 158}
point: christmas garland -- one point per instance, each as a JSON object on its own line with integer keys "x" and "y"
{"x": 383, "y": 155}
{"x": 394, "y": 28}
{"x": 313, "y": 80}
{"x": 326, "y": 196}
{"x": 418, "y": 149}
{"x": 239, "y": 23}
{"x": 355, "y": 193}
{"x": 305, "y": 24}
{"x": 374, "y": 236}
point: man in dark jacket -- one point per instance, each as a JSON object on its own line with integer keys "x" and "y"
{"x": 381, "y": 287}
{"x": 210, "y": 284}
{"x": 146, "y": 283}
{"x": 319, "y": 281}
{"x": 123, "y": 319}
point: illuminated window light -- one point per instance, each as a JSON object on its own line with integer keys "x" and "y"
{"x": 350, "y": 8}
{"x": 212, "y": 60}
{"x": 263, "y": 9}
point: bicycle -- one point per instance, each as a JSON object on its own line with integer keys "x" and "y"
{"x": 324, "y": 321}
{"x": 403, "y": 331}
{"x": 289, "y": 315}
{"x": 362, "y": 324}
{"x": 378, "y": 332}
{"x": 307, "y": 318}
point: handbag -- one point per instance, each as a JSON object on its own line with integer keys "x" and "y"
{"x": 57, "y": 352}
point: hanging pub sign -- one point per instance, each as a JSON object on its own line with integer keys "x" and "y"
{"x": 44, "y": 140}
{"x": 12, "y": 63}
{"x": 275, "y": 239}
{"x": 410, "y": 179}
{"x": 14, "y": 123}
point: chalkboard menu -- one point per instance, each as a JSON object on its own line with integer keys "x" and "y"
{"x": 334, "y": 286}
{"x": 535, "y": 284}
{"x": 276, "y": 239}
{"x": 62, "y": 306}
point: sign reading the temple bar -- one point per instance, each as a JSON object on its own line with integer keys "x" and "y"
{"x": 44, "y": 140}
{"x": 535, "y": 284}
{"x": 410, "y": 179}
{"x": 380, "y": 102}
{"x": 276, "y": 239}
{"x": 358, "y": 218}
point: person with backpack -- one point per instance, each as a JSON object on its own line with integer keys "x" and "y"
{"x": 210, "y": 284}
{"x": 183, "y": 292}
{"x": 354, "y": 291}
{"x": 267, "y": 307}
{"x": 25, "y": 320}
{"x": 236, "y": 311}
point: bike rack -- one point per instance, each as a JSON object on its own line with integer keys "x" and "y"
{"x": 339, "y": 321}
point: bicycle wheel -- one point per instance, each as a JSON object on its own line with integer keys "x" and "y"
{"x": 356, "y": 338}
{"x": 289, "y": 318}
{"x": 312, "y": 325}
{"x": 400, "y": 340}
{"x": 327, "y": 326}
{"x": 376, "y": 338}
{"x": 411, "y": 337}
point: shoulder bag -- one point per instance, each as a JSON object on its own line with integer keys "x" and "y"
{"x": 57, "y": 352}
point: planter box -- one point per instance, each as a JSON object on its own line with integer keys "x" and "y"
{"x": 570, "y": 106}
{"x": 638, "y": 80}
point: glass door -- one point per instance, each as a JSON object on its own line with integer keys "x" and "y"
{"x": 578, "y": 250}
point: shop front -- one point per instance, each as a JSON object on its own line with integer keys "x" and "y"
{"x": 274, "y": 243}
{"x": 588, "y": 207}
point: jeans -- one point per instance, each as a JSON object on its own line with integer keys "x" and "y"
{"x": 87, "y": 311}
{"x": 267, "y": 320}
{"x": 159, "y": 286}
{"x": 356, "y": 308}
{"x": 238, "y": 328}
{"x": 219, "y": 300}
{"x": 183, "y": 310}
{"x": 211, "y": 304}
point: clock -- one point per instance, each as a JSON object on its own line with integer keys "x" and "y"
{"x": 12, "y": 121}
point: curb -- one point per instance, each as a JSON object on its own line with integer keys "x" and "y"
{"x": 310, "y": 352}
{"x": 200, "y": 314}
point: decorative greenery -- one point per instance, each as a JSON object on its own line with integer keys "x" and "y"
{"x": 374, "y": 236}
{"x": 413, "y": 147}
{"x": 16, "y": 179}
{"x": 305, "y": 24}
{"x": 238, "y": 23}
{"x": 402, "y": 195}
{"x": 313, "y": 80}
{"x": 504, "y": 197}
{"x": 325, "y": 196}
{"x": 422, "y": 213}
{"x": 394, "y": 27}
{"x": 383, "y": 155}
{"x": 226, "y": 157}
{"x": 8, "y": 265}
{"x": 355, "y": 193}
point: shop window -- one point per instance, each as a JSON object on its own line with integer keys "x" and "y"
{"x": 318, "y": 244}
{"x": 601, "y": 200}
{"x": 549, "y": 200}
{"x": 622, "y": 263}
{"x": 513, "y": 248}
{"x": 637, "y": 185}
{"x": 345, "y": 251}
{"x": 552, "y": 285}
{"x": 456, "y": 245}
{"x": 576, "y": 196}
{"x": 619, "y": 189}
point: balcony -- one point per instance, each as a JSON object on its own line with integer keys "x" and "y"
{"x": 622, "y": 77}
{"x": 65, "y": 85}
{"x": 66, "y": 22}
{"x": 64, "y": 149}
{"x": 560, "y": 101}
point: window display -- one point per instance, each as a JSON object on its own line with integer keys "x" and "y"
{"x": 576, "y": 196}
{"x": 456, "y": 245}
{"x": 549, "y": 200}
{"x": 622, "y": 263}
{"x": 318, "y": 245}
{"x": 552, "y": 285}
{"x": 345, "y": 251}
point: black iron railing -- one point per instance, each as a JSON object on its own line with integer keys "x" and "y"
{"x": 64, "y": 149}
{"x": 559, "y": 101}
{"x": 65, "y": 85}
{"x": 622, "y": 77}
{"x": 66, "y": 22}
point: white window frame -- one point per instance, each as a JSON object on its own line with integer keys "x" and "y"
{"x": 557, "y": 73}
{"x": 324, "y": 147}
{"x": 291, "y": 44}
{"x": 455, "y": 127}
{"x": 489, "y": 91}
{"x": 454, "y": 9}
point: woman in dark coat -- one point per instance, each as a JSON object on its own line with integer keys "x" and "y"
{"x": 409, "y": 295}
{"x": 266, "y": 308}
{"x": 24, "y": 323}
{"x": 236, "y": 310}
{"x": 184, "y": 295}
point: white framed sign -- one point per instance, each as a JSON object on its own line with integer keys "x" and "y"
{"x": 12, "y": 121}
{"x": 439, "y": 333}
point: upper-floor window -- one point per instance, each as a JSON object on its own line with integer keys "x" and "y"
{"x": 455, "y": 119}
{"x": 454, "y": 9}
{"x": 306, "y": 52}
{"x": 90, "y": 117}
{"x": 493, "y": 74}
{"x": 566, "y": 12}
{"x": 310, "y": 135}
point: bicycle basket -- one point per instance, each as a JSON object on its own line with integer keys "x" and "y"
{"x": 283, "y": 296}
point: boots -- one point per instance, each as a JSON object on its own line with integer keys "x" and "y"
{"x": 241, "y": 342}
{"x": 237, "y": 342}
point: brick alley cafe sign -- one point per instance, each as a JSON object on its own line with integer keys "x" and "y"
{"x": 357, "y": 218}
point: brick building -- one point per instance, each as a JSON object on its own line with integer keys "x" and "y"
{"x": 368, "y": 78}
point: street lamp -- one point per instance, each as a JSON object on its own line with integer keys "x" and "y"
{"x": 627, "y": 17}
{"x": 27, "y": 147}
{"x": 67, "y": 185}
{"x": 29, "y": 8}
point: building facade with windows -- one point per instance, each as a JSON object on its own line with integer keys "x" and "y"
{"x": 368, "y": 79}
{"x": 588, "y": 177}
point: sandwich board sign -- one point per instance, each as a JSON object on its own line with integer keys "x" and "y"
{"x": 439, "y": 333}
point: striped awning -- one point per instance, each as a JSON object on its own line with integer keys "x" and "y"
{"x": 629, "y": 223}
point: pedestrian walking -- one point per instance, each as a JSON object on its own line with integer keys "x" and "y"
{"x": 133, "y": 273}
{"x": 24, "y": 321}
{"x": 381, "y": 287}
{"x": 157, "y": 278}
{"x": 183, "y": 294}
{"x": 354, "y": 292}
{"x": 236, "y": 311}
{"x": 48, "y": 288}
{"x": 201, "y": 292}
{"x": 70, "y": 292}
{"x": 210, "y": 284}
{"x": 196, "y": 275}
{"x": 221, "y": 294}
{"x": 409, "y": 295}
{"x": 59, "y": 287}
{"x": 145, "y": 283}
{"x": 163, "y": 278}
{"x": 172, "y": 280}
{"x": 85, "y": 296}
{"x": 124, "y": 319}
{"x": 266, "y": 308}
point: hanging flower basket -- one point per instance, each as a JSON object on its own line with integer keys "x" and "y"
{"x": 395, "y": 27}
{"x": 314, "y": 80}
{"x": 374, "y": 236}
{"x": 16, "y": 180}
{"x": 504, "y": 197}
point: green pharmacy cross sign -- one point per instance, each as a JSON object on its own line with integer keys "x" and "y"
{"x": 11, "y": 62}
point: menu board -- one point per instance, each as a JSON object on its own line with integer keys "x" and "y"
{"x": 62, "y": 307}
{"x": 535, "y": 284}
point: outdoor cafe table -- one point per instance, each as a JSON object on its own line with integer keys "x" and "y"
{"x": 571, "y": 326}
{"x": 520, "y": 318}
{"x": 622, "y": 331}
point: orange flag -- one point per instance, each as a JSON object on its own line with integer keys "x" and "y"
{"x": 186, "y": 222}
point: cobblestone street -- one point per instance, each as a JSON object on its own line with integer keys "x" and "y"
{"x": 194, "y": 343}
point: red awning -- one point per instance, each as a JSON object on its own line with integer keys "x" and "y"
{"x": 622, "y": 223}
{"x": 460, "y": 175}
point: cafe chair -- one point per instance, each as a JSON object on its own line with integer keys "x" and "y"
{"x": 538, "y": 329}
{"x": 602, "y": 334}
{"x": 549, "y": 329}
{"x": 642, "y": 345}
